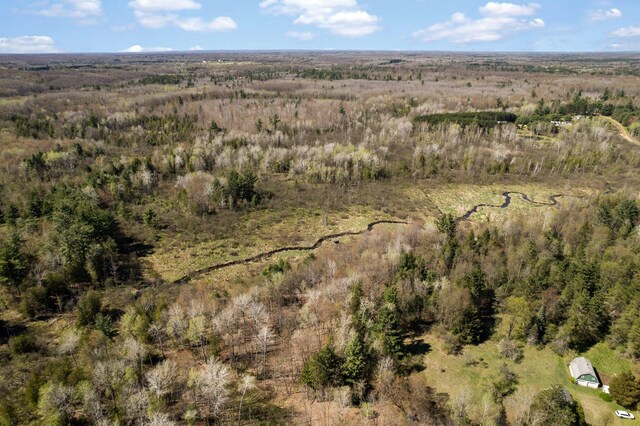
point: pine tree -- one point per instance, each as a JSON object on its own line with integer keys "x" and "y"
{"x": 388, "y": 325}
{"x": 322, "y": 370}
{"x": 447, "y": 225}
{"x": 13, "y": 261}
{"x": 634, "y": 339}
{"x": 553, "y": 407}
{"x": 355, "y": 365}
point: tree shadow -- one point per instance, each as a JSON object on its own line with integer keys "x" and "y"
{"x": 129, "y": 245}
{"x": 418, "y": 347}
{"x": 9, "y": 330}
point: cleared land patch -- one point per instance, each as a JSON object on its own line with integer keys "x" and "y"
{"x": 472, "y": 372}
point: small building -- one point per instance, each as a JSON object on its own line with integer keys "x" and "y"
{"x": 584, "y": 373}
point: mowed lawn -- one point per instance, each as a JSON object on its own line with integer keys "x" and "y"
{"x": 473, "y": 370}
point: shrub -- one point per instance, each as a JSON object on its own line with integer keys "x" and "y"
{"x": 279, "y": 267}
{"x": 88, "y": 307}
{"x": 504, "y": 384}
{"x": 451, "y": 344}
{"x": 32, "y": 389}
{"x": 367, "y": 411}
{"x": 34, "y": 301}
{"x": 7, "y": 414}
{"x": 605, "y": 397}
{"x": 511, "y": 350}
{"x": 22, "y": 344}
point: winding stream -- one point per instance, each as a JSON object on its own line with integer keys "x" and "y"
{"x": 268, "y": 254}
{"x": 508, "y": 195}
{"x": 553, "y": 200}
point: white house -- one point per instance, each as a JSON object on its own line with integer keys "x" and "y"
{"x": 584, "y": 373}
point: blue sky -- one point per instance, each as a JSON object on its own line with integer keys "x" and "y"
{"x": 39, "y": 26}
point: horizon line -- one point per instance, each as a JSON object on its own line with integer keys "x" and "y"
{"x": 328, "y": 50}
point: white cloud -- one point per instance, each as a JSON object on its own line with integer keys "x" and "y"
{"x": 136, "y": 48}
{"x": 28, "y": 44}
{"x": 196, "y": 48}
{"x": 633, "y": 47}
{"x": 632, "y": 31}
{"x": 302, "y": 36}
{"x": 161, "y": 13}
{"x": 499, "y": 20}
{"x": 340, "y": 17}
{"x": 84, "y": 10}
{"x": 122, "y": 28}
{"x": 220, "y": 24}
{"x": 508, "y": 9}
{"x": 154, "y": 21}
{"x": 163, "y": 5}
{"x": 603, "y": 15}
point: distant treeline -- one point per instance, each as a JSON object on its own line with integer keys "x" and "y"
{"x": 622, "y": 111}
{"x": 483, "y": 119}
{"x": 162, "y": 79}
{"x": 332, "y": 74}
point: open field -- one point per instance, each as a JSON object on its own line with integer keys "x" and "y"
{"x": 538, "y": 370}
{"x": 265, "y": 230}
{"x": 262, "y": 231}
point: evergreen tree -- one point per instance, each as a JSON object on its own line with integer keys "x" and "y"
{"x": 447, "y": 225}
{"x": 478, "y": 318}
{"x": 625, "y": 390}
{"x": 355, "y": 364}
{"x": 241, "y": 187}
{"x": 587, "y": 321}
{"x": 323, "y": 370}
{"x": 356, "y": 300}
{"x": 388, "y": 325}
{"x": 13, "y": 261}
{"x": 88, "y": 308}
{"x": 633, "y": 339}
{"x": 555, "y": 407}
{"x": 470, "y": 328}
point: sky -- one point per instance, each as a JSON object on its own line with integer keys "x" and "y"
{"x": 48, "y": 26}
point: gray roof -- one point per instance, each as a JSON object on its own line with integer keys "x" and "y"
{"x": 581, "y": 366}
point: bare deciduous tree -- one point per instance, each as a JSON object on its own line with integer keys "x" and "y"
{"x": 55, "y": 403}
{"x": 213, "y": 385}
{"x": 161, "y": 378}
{"x": 160, "y": 419}
{"x": 247, "y": 383}
{"x": 134, "y": 351}
{"x": 69, "y": 345}
{"x": 177, "y": 323}
{"x": 264, "y": 338}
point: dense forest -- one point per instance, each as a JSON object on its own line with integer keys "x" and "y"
{"x": 237, "y": 240}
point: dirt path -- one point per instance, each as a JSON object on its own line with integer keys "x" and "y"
{"x": 622, "y": 130}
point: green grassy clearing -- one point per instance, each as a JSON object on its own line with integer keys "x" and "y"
{"x": 458, "y": 199}
{"x": 261, "y": 231}
{"x": 540, "y": 369}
